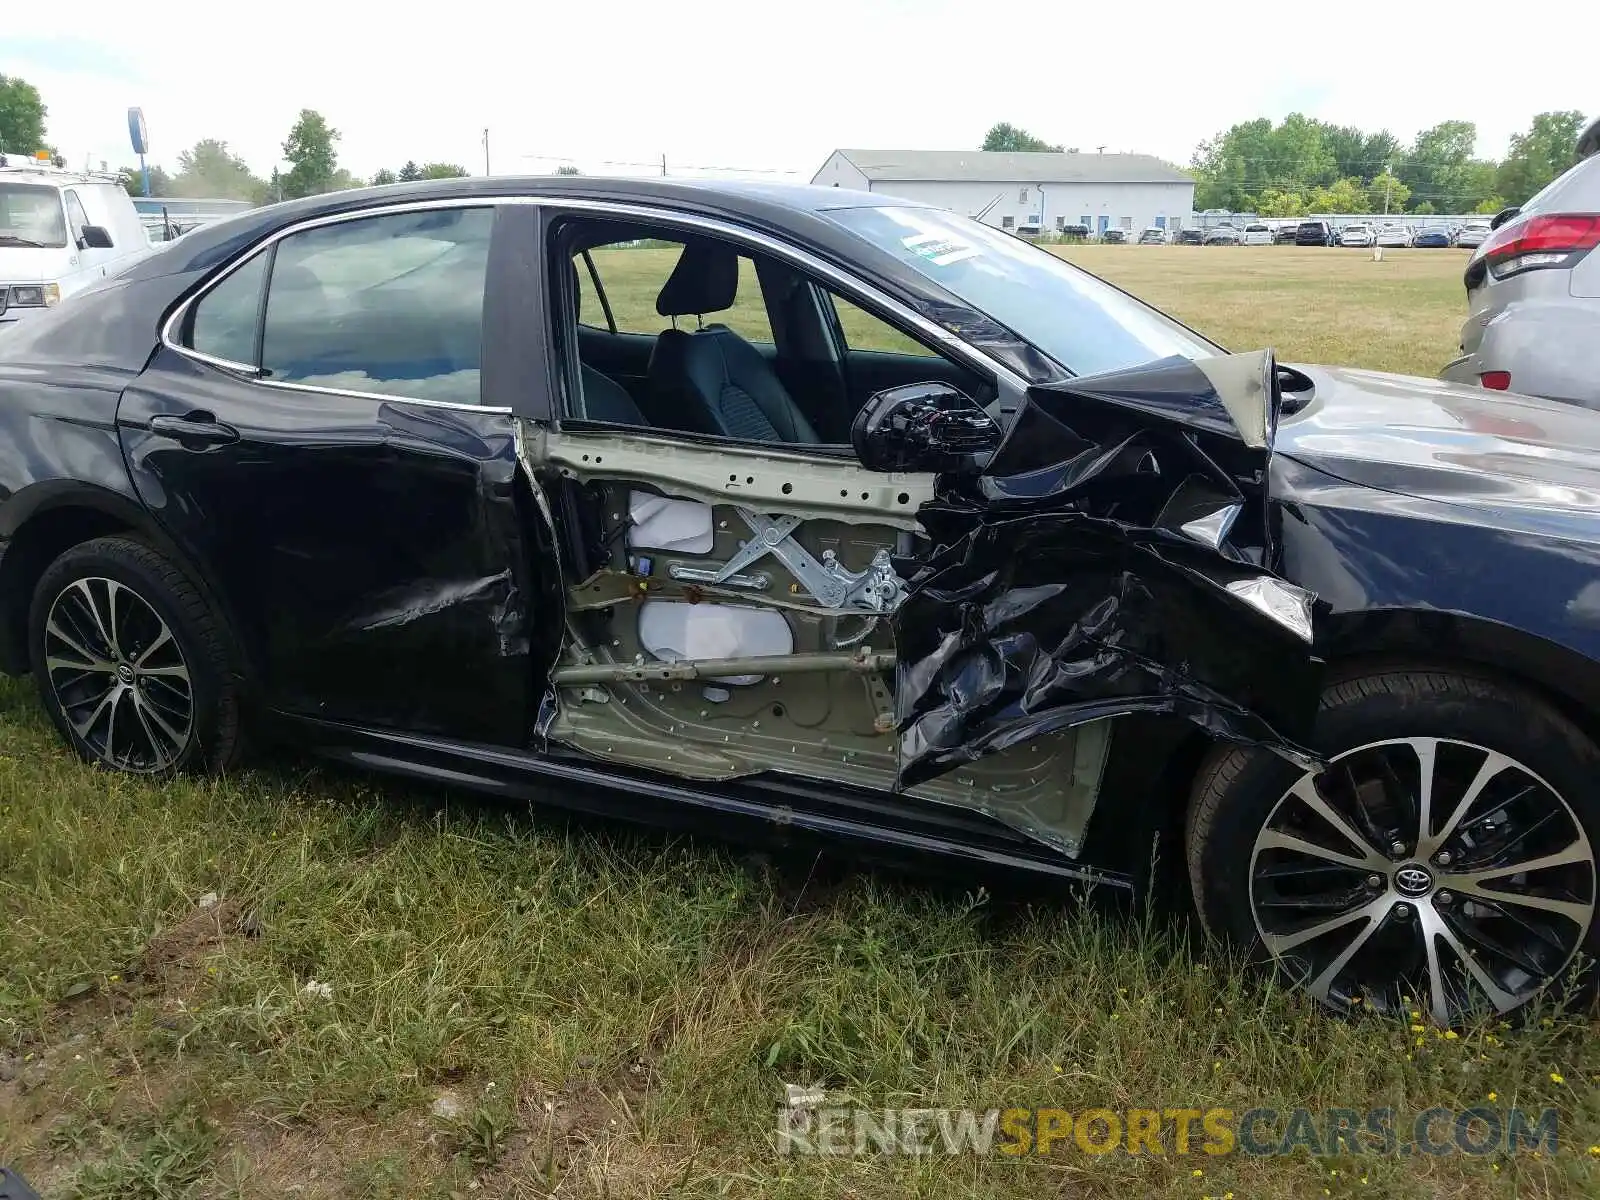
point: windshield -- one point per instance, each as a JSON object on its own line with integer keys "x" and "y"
{"x": 30, "y": 215}
{"x": 1086, "y": 325}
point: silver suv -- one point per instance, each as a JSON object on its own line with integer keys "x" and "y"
{"x": 1533, "y": 292}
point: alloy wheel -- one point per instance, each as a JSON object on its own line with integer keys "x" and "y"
{"x": 119, "y": 676}
{"x": 1423, "y": 871}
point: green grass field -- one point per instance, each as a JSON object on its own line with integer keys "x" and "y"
{"x": 403, "y": 993}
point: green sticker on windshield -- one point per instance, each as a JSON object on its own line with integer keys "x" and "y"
{"x": 938, "y": 249}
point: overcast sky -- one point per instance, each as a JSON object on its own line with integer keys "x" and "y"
{"x": 758, "y": 85}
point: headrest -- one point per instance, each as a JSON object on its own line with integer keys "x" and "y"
{"x": 705, "y": 280}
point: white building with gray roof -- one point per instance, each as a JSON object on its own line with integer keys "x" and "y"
{"x": 1025, "y": 192}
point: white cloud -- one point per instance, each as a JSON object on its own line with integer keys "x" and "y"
{"x": 744, "y": 83}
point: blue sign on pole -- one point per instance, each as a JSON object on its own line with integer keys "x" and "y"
{"x": 140, "y": 137}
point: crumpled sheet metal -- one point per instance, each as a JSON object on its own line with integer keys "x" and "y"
{"x": 1085, "y": 573}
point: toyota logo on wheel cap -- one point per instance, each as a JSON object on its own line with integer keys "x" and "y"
{"x": 1413, "y": 880}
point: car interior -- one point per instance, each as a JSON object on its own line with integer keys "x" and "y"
{"x": 674, "y": 331}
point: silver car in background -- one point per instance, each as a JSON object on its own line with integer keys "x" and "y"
{"x": 1533, "y": 292}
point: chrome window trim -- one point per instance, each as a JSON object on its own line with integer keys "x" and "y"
{"x": 169, "y": 327}
{"x": 854, "y": 287}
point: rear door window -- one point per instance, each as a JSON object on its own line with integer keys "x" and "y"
{"x": 390, "y": 304}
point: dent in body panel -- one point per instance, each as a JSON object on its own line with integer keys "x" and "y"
{"x": 1116, "y": 555}
{"x": 370, "y": 552}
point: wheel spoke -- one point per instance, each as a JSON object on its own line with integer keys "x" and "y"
{"x": 155, "y": 715}
{"x": 1575, "y": 854}
{"x": 1306, "y": 792}
{"x": 1428, "y": 841}
{"x": 53, "y": 629}
{"x": 1433, "y": 927}
{"x": 1281, "y": 943}
{"x": 1274, "y": 839}
{"x": 89, "y": 602}
{"x": 175, "y": 672}
{"x": 1467, "y": 930}
{"x": 1574, "y": 910}
{"x": 1372, "y": 916}
{"x": 163, "y": 638}
{"x": 158, "y": 755}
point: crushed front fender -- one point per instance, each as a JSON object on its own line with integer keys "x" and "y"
{"x": 1116, "y": 555}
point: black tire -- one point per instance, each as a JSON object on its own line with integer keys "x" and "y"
{"x": 199, "y": 645}
{"x": 1238, "y": 790}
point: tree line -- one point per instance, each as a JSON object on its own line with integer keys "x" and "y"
{"x": 1302, "y": 165}
{"x": 210, "y": 169}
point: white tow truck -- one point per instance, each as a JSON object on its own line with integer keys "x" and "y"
{"x": 60, "y": 231}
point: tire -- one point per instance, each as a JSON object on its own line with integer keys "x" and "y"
{"x": 125, "y": 696}
{"x": 1512, "y": 783}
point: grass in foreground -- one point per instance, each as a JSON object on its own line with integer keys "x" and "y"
{"x": 290, "y": 980}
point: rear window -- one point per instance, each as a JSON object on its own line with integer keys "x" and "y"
{"x": 30, "y": 215}
{"x": 1256, "y": 229}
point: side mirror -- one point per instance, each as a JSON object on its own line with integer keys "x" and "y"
{"x": 1504, "y": 215}
{"x": 921, "y": 427}
{"x": 94, "y": 237}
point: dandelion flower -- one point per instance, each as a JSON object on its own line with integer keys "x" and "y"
{"x": 1557, "y": 1077}
{"x": 1493, "y": 1096}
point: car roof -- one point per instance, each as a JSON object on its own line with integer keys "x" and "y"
{"x": 768, "y": 203}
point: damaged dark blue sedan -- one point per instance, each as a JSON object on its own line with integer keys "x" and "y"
{"x": 807, "y": 512}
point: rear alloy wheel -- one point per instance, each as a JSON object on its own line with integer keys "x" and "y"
{"x": 118, "y": 675}
{"x": 1450, "y": 868}
{"x": 130, "y": 662}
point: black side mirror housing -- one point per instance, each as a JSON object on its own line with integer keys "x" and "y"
{"x": 922, "y": 427}
{"x": 94, "y": 237}
{"x": 1504, "y": 215}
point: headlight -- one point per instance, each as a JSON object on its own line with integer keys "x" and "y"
{"x": 36, "y": 295}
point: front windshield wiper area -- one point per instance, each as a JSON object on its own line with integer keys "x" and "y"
{"x": 12, "y": 239}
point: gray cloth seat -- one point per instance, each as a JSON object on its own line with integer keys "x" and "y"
{"x": 711, "y": 379}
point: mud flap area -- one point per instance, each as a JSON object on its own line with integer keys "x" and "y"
{"x": 1116, "y": 555}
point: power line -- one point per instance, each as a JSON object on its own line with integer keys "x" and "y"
{"x": 656, "y": 164}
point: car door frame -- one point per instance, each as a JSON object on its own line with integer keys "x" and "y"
{"x": 1010, "y": 386}
{"x": 513, "y": 366}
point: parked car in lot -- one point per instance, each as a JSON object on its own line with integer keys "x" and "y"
{"x": 1284, "y": 235}
{"x": 1356, "y": 235}
{"x": 1153, "y": 236}
{"x": 1190, "y": 237}
{"x": 1432, "y": 238}
{"x": 1472, "y": 234}
{"x": 60, "y": 231}
{"x": 1391, "y": 235}
{"x": 1222, "y": 235}
{"x": 1315, "y": 233}
{"x": 1257, "y": 235}
{"x": 419, "y": 478}
{"x": 1114, "y": 236}
{"x": 1533, "y": 292}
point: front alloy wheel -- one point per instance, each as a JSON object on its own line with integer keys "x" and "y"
{"x": 119, "y": 676}
{"x": 1443, "y": 861}
{"x": 1427, "y": 866}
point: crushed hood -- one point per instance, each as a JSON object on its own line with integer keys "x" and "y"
{"x": 1117, "y": 554}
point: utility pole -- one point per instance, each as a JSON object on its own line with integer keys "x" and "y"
{"x": 486, "y": 152}
{"x": 663, "y": 166}
{"x": 1388, "y": 182}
